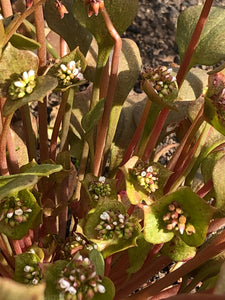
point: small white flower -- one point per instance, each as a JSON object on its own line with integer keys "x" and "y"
{"x": 71, "y": 290}
{"x": 27, "y": 269}
{"x": 102, "y": 179}
{"x": 25, "y": 76}
{"x": 35, "y": 281}
{"x": 72, "y": 278}
{"x": 108, "y": 227}
{"x": 101, "y": 288}
{"x": 64, "y": 284}
{"x": 169, "y": 70}
{"x": 121, "y": 216}
{"x": 82, "y": 277}
{"x": 19, "y": 212}
{"x": 9, "y": 215}
{"x": 80, "y": 76}
{"x": 150, "y": 169}
{"x": 87, "y": 260}
{"x": 143, "y": 173}
{"x": 105, "y": 216}
{"x": 71, "y": 65}
{"x": 63, "y": 67}
{"x": 173, "y": 79}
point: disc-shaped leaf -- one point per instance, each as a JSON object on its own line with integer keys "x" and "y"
{"x": 177, "y": 250}
{"x": 218, "y": 177}
{"x": 114, "y": 244}
{"x": 210, "y": 48}
{"x": 24, "y": 43}
{"x": 97, "y": 259}
{"x": 40, "y": 170}
{"x": 20, "y": 229}
{"x": 14, "y": 61}
{"x": 196, "y": 211}
{"x": 121, "y": 12}
{"x": 67, "y": 26}
{"x": 23, "y": 260}
{"x": 135, "y": 191}
{"x": 44, "y": 84}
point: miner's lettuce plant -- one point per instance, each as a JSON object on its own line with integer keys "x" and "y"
{"x": 87, "y": 211}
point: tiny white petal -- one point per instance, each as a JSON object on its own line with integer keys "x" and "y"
{"x": 101, "y": 288}
{"x": 19, "y": 212}
{"x": 25, "y": 76}
{"x": 35, "y": 281}
{"x": 143, "y": 173}
{"x": 63, "y": 67}
{"x": 19, "y": 83}
{"x": 173, "y": 79}
{"x": 64, "y": 284}
{"x": 9, "y": 215}
{"x": 108, "y": 227}
{"x": 105, "y": 216}
{"x": 115, "y": 223}
{"x": 121, "y": 216}
{"x": 169, "y": 70}
{"x": 71, "y": 290}
{"x": 27, "y": 269}
{"x": 80, "y": 76}
{"x": 87, "y": 260}
{"x": 102, "y": 179}
{"x": 71, "y": 64}
{"x": 75, "y": 71}
{"x": 150, "y": 169}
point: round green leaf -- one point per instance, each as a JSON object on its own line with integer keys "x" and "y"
{"x": 197, "y": 212}
{"x": 21, "y": 229}
{"x": 211, "y": 45}
{"x": 177, "y": 250}
{"x": 24, "y": 43}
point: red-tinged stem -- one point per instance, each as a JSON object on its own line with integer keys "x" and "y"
{"x": 100, "y": 143}
{"x": 42, "y": 106}
{"x": 135, "y": 139}
{"x": 178, "y": 157}
{"x": 205, "y": 189}
{"x": 16, "y": 247}
{"x": 63, "y": 215}
{"x": 181, "y": 168}
{"x": 216, "y": 247}
{"x": 167, "y": 293}
{"x": 3, "y": 142}
{"x": 108, "y": 262}
{"x": 193, "y": 42}
{"x": 131, "y": 209}
{"x": 150, "y": 267}
{"x": 28, "y": 240}
{"x": 6, "y": 8}
{"x": 215, "y": 225}
{"x": 12, "y": 155}
{"x": 155, "y": 134}
{"x": 55, "y": 132}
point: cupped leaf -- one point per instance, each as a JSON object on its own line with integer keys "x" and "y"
{"x": 90, "y": 120}
{"x": 75, "y": 55}
{"x": 18, "y": 214}
{"x": 218, "y": 178}
{"x": 44, "y": 84}
{"x": 138, "y": 254}
{"x": 11, "y": 290}
{"x": 177, "y": 250}
{"x": 16, "y": 183}
{"x": 196, "y": 212}
{"x": 14, "y": 61}
{"x": 208, "y": 165}
{"x": 210, "y": 47}
{"x": 99, "y": 188}
{"x": 67, "y": 27}
{"x": 118, "y": 239}
{"x": 137, "y": 191}
{"x": 121, "y": 12}
{"x": 25, "y": 264}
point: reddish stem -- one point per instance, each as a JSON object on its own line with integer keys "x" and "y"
{"x": 156, "y": 130}
{"x": 193, "y": 42}
{"x": 205, "y": 189}
{"x": 3, "y": 142}
{"x": 6, "y": 8}
{"x": 108, "y": 262}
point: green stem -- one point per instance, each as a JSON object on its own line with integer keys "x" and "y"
{"x": 49, "y": 46}
{"x": 3, "y": 142}
{"x": 69, "y": 95}
{"x": 134, "y": 141}
{"x": 29, "y": 132}
{"x": 185, "y": 65}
